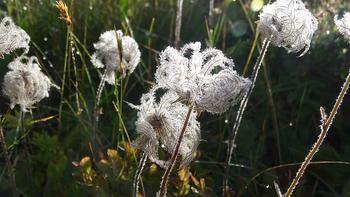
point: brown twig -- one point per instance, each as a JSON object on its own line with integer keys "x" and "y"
{"x": 163, "y": 185}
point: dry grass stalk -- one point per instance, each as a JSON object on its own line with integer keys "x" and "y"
{"x": 326, "y": 123}
{"x": 64, "y": 14}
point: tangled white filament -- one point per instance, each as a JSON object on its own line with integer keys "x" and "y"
{"x": 12, "y": 37}
{"x": 116, "y": 53}
{"x": 343, "y": 25}
{"x": 289, "y": 24}
{"x": 25, "y": 84}
{"x": 160, "y": 122}
{"x": 204, "y": 78}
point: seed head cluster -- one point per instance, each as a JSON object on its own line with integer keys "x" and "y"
{"x": 343, "y": 25}
{"x": 160, "y": 120}
{"x": 203, "y": 78}
{"x": 289, "y": 24}
{"x": 12, "y": 37}
{"x": 116, "y": 53}
{"x": 25, "y": 84}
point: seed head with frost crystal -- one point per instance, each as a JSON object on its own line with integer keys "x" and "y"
{"x": 160, "y": 122}
{"x": 203, "y": 78}
{"x": 12, "y": 37}
{"x": 25, "y": 84}
{"x": 289, "y": 24}
{"x": 116, "y": 53}
{"x": 343, "y": 25}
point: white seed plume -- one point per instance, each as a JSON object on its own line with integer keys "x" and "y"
{"x": 25, "y": 84}
{"x": 160, "y": 122}
{"x": 203, "y": 78}
{"x": 108, "y": 54}
{"x": 289, "y": 23}
{"x": 343, "y": 25}
{"x": 12, "y": 37}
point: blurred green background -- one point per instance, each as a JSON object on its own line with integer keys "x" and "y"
{"x": 279, "y": 127}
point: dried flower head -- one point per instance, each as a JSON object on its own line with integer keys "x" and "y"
{"x": 203, "y": 78}
{"x": 64, "y": 14}
{"x": 289, "y": 24}
{"x": 25, "y": 84}
{"x": 160, "y": 122}
{"x": 12, "y": 37}
{"x": 116, "y": 53}
{"x": 343, "y": 25}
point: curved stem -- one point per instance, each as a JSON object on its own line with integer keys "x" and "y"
{"x": 163, "y": 184}
{"x": 326, "y": 124}
{"x": 138, "y": 174}
{"x": 242, "y": 107}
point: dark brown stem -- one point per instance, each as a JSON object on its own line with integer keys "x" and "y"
{"x": 9, "y": 166}
{"x": 241, "y": 110}
{"x": 163, "y": 185}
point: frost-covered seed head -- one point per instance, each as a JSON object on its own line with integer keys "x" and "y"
{"x": 289, "y": 23}
{"x": 203, "y": 78}
{"x": 108, "y": 54}
{"x": 343, "y": 25}
{"x": 160, "y": 122}
{"x": 12, "y": 37}
{"x": 25, "y": 84}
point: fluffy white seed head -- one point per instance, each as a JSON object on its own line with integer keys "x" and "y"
{"x": 12, "y": 37}
{"x": 25, "y": 84}
{"x": 115, "y": 58}
{"x": 203, "y": 78}
{"x": 160, "y": 121}
{"x": 289, "y": 24}
{"x": 343, "y": 25}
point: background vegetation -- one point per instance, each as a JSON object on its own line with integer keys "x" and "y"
{"x": 53, "y": 157}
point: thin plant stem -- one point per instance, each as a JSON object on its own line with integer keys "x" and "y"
{"x": 10, "y": 168}
{"x": 163, "y": 184}
{"x": 242, "y": 107}
{"x": 138, "y": 174}
{"x": 326, "y": 124}
{"x": 178, "y": 23}
{"x": 211, "y": 8}
{"x": 65, "y": 65}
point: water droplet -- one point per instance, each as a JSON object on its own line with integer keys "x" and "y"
{"x": 91, "y": 7}
{"x": 328, "y": 32}
{"x": 226, "y": 121}
{"x": 77, "y": 53}
{"x": 45, "y": 39}
{"x": 25, "y": 8}
{"x": 44, "y": 58}
{"x": 267, "y": 186}
{"x": 290, "y": 124}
